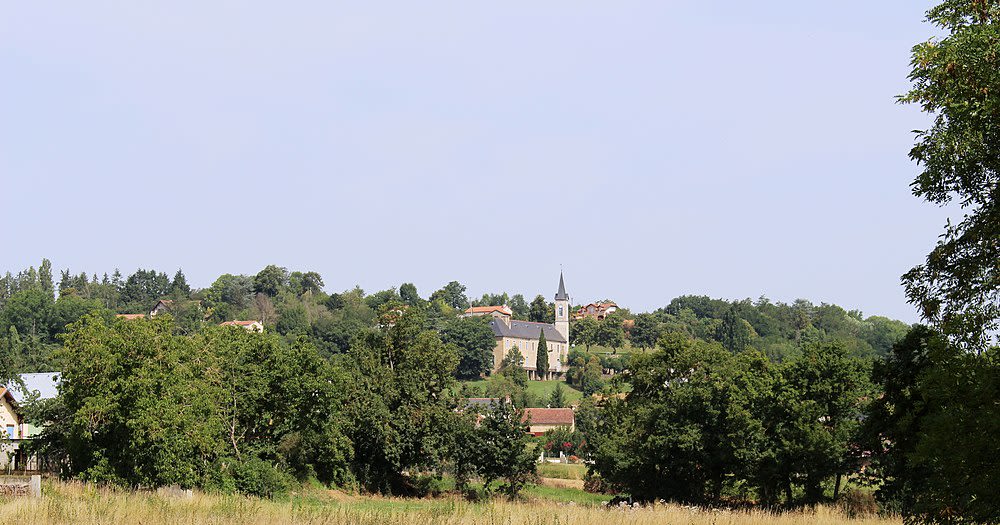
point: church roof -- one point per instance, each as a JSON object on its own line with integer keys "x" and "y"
{"x": 526, "y": 330}
{"x": 561, "y": 295}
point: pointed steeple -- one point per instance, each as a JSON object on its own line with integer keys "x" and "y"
{"x": 561, "y": 295}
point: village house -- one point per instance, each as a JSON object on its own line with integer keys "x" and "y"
{"x": 597, "y": 311}
{"x": 13, "y": 425}
{"x": 12, "y": 454}
{"x": 161, "y": 306}
{"x": 524, "y": 335}
{"x": 494, "y": 311}
{"x": 249, "y": 326}
{"x": 541, "y": 420}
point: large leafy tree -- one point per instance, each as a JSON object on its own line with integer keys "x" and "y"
{"x": 538, "y": 310}
{"x": 956, "y": 78}
{"x": 499, "y": 450}
{"x": 646, "y": 331}
{"x": 933, "y": 431}
{"x": 814, "y": 414}
{"x": 453, "y": 295}
{"x": 141, "y": 406}
{"x": 610, "y": 332}
{"x": 403, "y": 416}
{"x": 271, "y": 280}
{"x": 690, "y": 426}
{"x": 475, "y": 341}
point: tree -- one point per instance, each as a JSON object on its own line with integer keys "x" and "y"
{"x": 610, "y": 332}
{"x": 250, "y": 413}
{"x": 933, "y": 431}
{"x": 402, "y": 416}
{"x": 519, "y": 307}
{"x": 143, "y": 288}
{"x": 453, "y": 294}
{"x": 408, "y": 293}
{"x": 558, "y": 397}
{"x": 179, "y": 286}
{"x": 583, "y": 331}
{"x": 585, "y": 373}
{"x": 45, "y": 277}
{"x": 512, "y": 367}
{"x": 270, "y": 280}
{"x": 542, "y": 357}
{"x": 475, "y": 341}
{"x": 500, "y": 449}
{"x": 308, "y": 282}
{"x": 815, "y": 411}
{"x": 955, "y": 79}
{"x": 734, "y": 333}
{"x": 688, "y": 430}
{"x": 31, "y": 312}
{"x": 646, "y": 331}
{"x": 538, "y": 311}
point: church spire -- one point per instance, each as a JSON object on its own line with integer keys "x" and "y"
{"x": 561, "y": 295}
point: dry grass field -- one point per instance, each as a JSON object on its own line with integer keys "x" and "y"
{"x": 80, "y": 505}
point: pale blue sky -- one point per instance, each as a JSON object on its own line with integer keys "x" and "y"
{"x": 653, "y": 149}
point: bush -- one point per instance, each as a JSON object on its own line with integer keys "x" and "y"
{"x": 424, "y": 486}
{"x": 593, "y": 484}
{"x": 219, "y": 477}
{"x": 857, "y": 504}
{"x": 256, "y": 477}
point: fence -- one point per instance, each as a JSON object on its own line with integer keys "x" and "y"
{"x": 14, "y": 486}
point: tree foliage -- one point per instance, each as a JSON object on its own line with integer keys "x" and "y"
{"x": 956, "y": 78}
{"x": 542, "y": 357}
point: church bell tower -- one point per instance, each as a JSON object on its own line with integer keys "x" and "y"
{"x": 562, "y": 309}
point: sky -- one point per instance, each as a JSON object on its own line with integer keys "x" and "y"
{"x": 648, "y": 149}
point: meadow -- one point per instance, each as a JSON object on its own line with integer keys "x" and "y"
{"x": 85, "y": 505}
{"x": 540, "y": 391}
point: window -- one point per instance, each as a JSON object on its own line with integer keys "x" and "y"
{"x": 10, "y": 431}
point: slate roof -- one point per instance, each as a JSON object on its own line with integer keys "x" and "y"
{"x": 561, "y": 295}
{"x": 44, "y": 383}
{"x": 526, "y": 330}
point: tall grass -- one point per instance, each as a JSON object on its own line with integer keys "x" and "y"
{"x": 81, "y": 505}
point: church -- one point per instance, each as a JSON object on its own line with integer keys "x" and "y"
{"x": 524, "y": 335}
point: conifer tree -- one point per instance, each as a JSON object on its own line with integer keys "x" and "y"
{"x": 542, "y": 357}
{"x": 558, "y": 397}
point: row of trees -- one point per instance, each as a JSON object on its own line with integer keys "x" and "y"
{"x": 229, "y": 410}
{"x": 701, "y": 423}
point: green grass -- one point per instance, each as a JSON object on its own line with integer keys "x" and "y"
{"x": 561, "y": 495}
{"x": 562, "y": 471}
{"x": 539, "y": 391}
{"x": 542, "y": 390}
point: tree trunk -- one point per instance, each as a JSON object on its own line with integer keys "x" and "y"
{"x": 836, "y": 488}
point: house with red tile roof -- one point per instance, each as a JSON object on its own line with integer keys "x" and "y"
{"x": 596, "y": 311}
{"x": 541, "y": 420}
{"x": 250, "y": 326}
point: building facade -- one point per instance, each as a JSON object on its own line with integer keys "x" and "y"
{"x": 524, "y": 335}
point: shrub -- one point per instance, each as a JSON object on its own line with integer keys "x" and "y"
{"x": 593, "y": 484}
{"x": 857, "y": 504}
{"x": 256, "y": 477}
{"x": 424, "y": 486}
